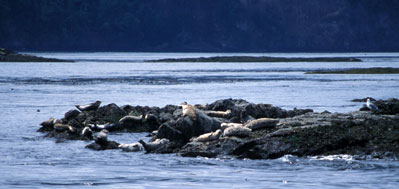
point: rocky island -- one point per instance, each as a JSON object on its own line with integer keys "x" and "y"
{"x": 11, "y": 56}
{"x": 235, "y": 128}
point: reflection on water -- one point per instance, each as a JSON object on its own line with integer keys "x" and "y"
{"x": 28, "y": 160}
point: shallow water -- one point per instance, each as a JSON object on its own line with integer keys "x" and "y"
{"x": 33, "y": 92}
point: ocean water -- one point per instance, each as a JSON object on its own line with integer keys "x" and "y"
{"x": 33, "y": 92}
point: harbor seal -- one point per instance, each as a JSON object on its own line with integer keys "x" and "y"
{"x": 48, "y": 123}
{"x": 88, "y": 107}
{"x": 224, "y": 126}
{"x": 262, "y": 123}
{"x": 222, "y": 114}
{"x": 208, "y": 136}
{"x": 238, "y": 131}
{"x": 59, "y": 127}
{"x": 98, "y": 127}
{"x": 87, "y": 132}
{"x": 133, "y": 147}
{"x": 188, "y": 110}
{"x": 151, "y": 146}
{"x": 131, "y": 119}
{"x": 101, "y": 137}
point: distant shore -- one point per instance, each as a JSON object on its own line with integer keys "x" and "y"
{"x": 258, "y": 59}
{"x": 387, "y": 70}
{"x": 11, "y": 56}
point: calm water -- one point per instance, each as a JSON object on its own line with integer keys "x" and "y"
{"x": 27, "y": 160}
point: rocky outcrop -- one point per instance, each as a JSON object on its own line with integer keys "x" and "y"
{"x": 389, "y": 106}
{"x": 255, "y": 131}
{"x": 11, "y": 56}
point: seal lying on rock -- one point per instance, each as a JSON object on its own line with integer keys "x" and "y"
{"x": 97, "y": 127}
{"x": 48, "y": 123}
{"x": 151, "y": 146}
{"x": 101, "y": 137}
{"x": 131, "y": 119}
{"x": 88, "y": 107}
{"x": 63, "y": 127}
{"x": 262, "y": 123}
{"x": 237, "y": 131}
{"x": 133, "y": 147}
{"x": 189, "y": 111}
{"x": 102, "y": 142}
{"x": 224, "y": 126}
{"x": 223, "y": 114}
{"x": 208, "y": 136}
{"x": 87, "y": 132}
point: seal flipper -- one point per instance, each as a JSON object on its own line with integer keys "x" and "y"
{"x": 144, "y": 145}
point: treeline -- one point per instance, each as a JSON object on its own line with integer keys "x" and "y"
{"x": 200, "y": 25}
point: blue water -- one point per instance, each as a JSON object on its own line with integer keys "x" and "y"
{"x": 33, "y": 92}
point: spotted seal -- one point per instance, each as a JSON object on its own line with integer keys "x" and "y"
{"x": 239, "y": 131}
{"x": 151, "y": 146}
{"x": 101, "y": 137}
{"x": 133, "y": 147}
{"x": 208, "y": 136}
{"x": 188, "y": 110}
{"x": 88, "y": 107}
{"x": 224, "y": 126}
{"x": 48, "y": 123}
{"x": 262, "y": 123}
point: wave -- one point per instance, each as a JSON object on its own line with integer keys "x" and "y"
{"x": 167, "y": 80}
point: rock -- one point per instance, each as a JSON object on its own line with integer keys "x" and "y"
{"x": 363, "y": 99}
{"x": 71, "y": 114}
{"x": 237, "y": 131}
{"x": 197, "y": 124}
{"x": 211, "y": 149}
{"x": 262, "y": 123}
{"x": 11, "y": 56}
{"x": 152, "y": 121}
{"x": 168, "y": 132}
{"x": 298, "y": 132}
{"x": 111, "y": 113}
{"x": 107, "y": 146}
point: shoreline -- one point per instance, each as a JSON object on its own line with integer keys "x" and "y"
{"x": 258, "y": 59}
{"x": 11, "y": 56}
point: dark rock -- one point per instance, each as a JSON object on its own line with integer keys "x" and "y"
{"x": 11, "y": 56}
{"x": 210, "y": 149}
{"x": 389, "y": 106}
{"x": 71, "y": 114}
{"x": 75, "y": 123}
{"x": 166, "y": 131}
{"x": 110, "y": 145}
{"x": 363, "y": 99}
{"x": 111, "y": 113}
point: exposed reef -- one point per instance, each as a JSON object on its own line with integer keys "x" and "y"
{"x": 387, "y": 70}
{"x": 11, "y": 56}
{"x": 258, "y": 59}
{"x": 235, "y": 127}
